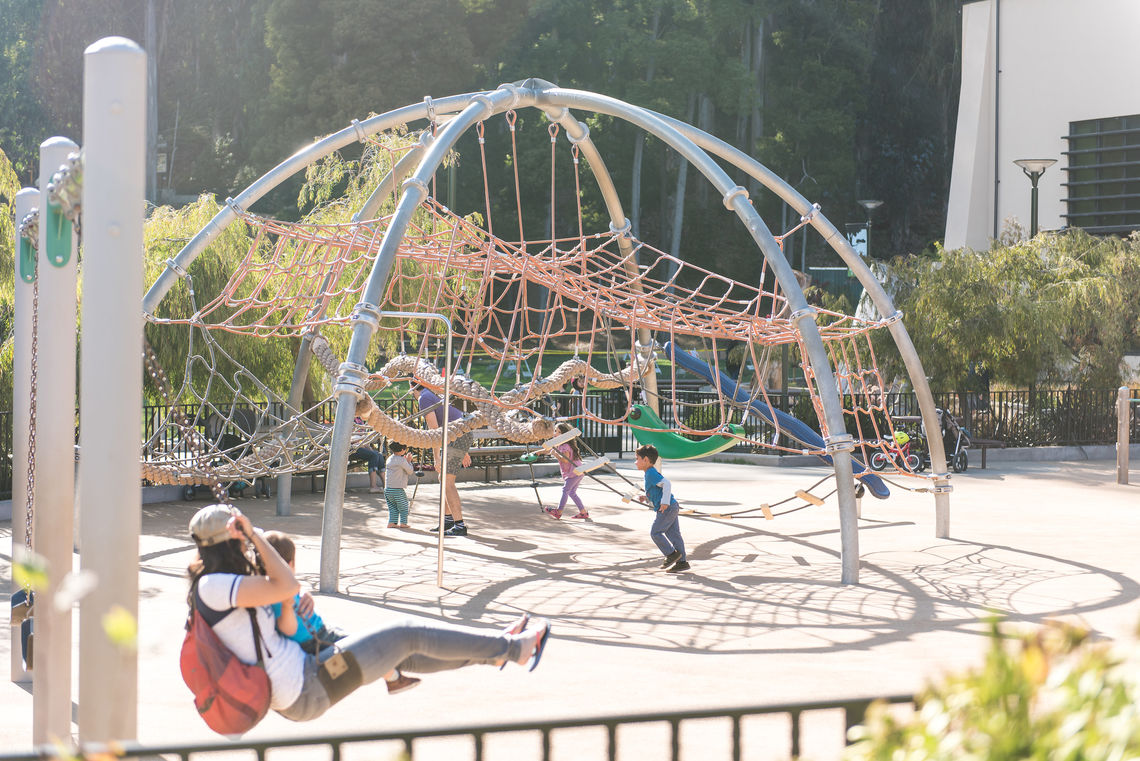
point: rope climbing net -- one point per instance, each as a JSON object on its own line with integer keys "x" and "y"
{"x": 532, "y": 316}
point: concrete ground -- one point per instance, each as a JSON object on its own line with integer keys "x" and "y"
{"x": 761, "y": 617}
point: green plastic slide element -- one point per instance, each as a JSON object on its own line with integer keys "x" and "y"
{"x": 673, "y": 446}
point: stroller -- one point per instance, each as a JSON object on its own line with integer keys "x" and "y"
{"x": 955, "y": 440}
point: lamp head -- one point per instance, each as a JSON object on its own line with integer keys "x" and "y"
{"x": 1035, "y": 166}
{"x": 870, "y": 204}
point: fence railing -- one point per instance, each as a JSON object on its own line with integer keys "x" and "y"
{"x": 1074, "y": 417}
{"x": 853, "y": 711}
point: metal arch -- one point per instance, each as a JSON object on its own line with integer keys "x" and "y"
{"x": 305, "y": 351}
{"x": 283, "y": 171}
{"x": 813, "y": 343}
{"x": 688, "y": 141}
{"x": 879, "y": 297}
{"x": 479, "y": 107}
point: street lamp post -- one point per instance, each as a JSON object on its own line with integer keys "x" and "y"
{"x": 1033, "y": 169}
{"x": 869, "y": 205}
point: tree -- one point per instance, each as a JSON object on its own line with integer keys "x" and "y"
{"x": 1059, "y": 308}
{"x": 23, "y": 124}
{"x": 905, "y": 143}
{"x": 9, "y": 186}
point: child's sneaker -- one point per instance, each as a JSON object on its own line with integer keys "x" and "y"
{"x": 581, "y": 516}
{"x": 401, "y": 683}
{"x": 555, "y": 514}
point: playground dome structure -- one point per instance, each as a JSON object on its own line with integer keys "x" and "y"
{"x": 408, "y": 271}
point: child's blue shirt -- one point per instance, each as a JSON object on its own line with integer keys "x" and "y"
{"x": 658, "y": 489}
{"x": 303, "y": 633}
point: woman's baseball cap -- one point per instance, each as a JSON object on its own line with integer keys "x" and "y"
{"x": 208, "y": 526}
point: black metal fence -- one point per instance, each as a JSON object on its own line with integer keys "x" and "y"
{"x": 853, "y": 712}
{"x": 1018, "y": 418}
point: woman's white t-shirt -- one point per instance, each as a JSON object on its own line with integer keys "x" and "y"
{"x": 284, "y": 659}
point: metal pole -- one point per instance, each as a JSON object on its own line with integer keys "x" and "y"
{"x": 150, "y": 26}
{"x": 365, "y": 320}
{"x": 875, "y": 290}
{"x": 110, "y": 402}
{"x": 25, "y": 201}
{"x": 53, "y": 521}
{"x": 1033, "y": 177}
{"x": 442, "y": 466}
{"x": 1123, "y": 405}
{"x": 296, "y": 399}
{"x": 839, "y": 444}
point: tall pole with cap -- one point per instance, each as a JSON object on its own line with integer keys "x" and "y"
{"x": 114, "y": 179}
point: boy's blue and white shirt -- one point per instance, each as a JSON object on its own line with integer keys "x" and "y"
{"x": 658, "y": 489}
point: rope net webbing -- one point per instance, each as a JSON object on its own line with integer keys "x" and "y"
{"x": 542, "y": 312}
{"x": 285, "y": 275}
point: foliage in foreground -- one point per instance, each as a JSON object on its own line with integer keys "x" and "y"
{"x": 1052, "y": 694}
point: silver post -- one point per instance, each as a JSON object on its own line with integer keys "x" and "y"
{"x": 1123, "y": 405}
{"x": 53, "y": 523}
{"x": 114, "y": 182}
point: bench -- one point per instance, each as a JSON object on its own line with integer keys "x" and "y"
{"x": 985, "y": 444}
{"x": 491, "y": 450}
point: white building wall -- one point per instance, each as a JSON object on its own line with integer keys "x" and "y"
{"x": 1050, "y": 62}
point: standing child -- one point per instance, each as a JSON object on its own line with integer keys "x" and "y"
{"x": 396, "y": 475}
{"x": 666, "y": 531}
{"x": 569, "y": 458}
{"x": 309, "y": 630}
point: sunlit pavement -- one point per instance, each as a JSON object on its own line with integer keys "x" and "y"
{"x": 760, "y": 618}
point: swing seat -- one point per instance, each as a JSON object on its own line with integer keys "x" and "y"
{"x": 27, "y": 643}
{"x": 528, "y": 458}
{"x": 591, "y": 465}
{"x": 22, "y": 601}
{"x": 562, "y": 438}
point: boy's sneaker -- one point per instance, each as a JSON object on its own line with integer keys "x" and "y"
{"x": 459, "y": 529}
{"x": 448, "y": 522}
{"x": 682, "y": 566}
{"x": 671, "y": 558}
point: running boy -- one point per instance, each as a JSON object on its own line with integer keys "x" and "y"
{"x": 666, "y": 531}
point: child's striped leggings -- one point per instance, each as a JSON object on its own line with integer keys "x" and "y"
{"x": 397, "y": 505}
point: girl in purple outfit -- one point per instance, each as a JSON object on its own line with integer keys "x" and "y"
{"x": 569, "y": 458}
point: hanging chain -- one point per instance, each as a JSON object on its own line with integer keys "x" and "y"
{"x": 29, "y": 504}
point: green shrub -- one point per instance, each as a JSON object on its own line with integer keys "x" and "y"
{"x": 1052, "y": 694}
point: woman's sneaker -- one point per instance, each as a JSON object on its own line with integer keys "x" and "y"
{"x": 401, "y": 683}
{"x": 459, "y": 528}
